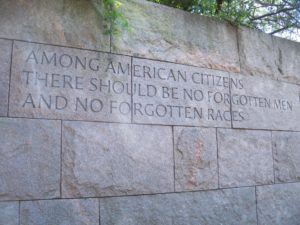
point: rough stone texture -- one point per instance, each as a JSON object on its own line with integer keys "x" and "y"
{"x": 63, "y": 22}
{"x": 256, "y": 53}
{"x": 151, "y": 172}
{"x": 232, "y": 206}
{"x": 60, "y": 212}
{"x": 266, "y": 104}
{"x": 29, "y": 159}
{"x": 196, "y": 165}
{"x": 286, "y": 151}
{"x": 245, "y": 157}
{"x": 176, "y": 98}
{"x": 116, "y": 159}
{"x": 188, "y": 39}
{"x": 268, "y": 56}
{"x": 278, "y": 204}
{"x": 5, "y": 56}
{"x": 287, "y": 55}
{"x": 68, "y": 79}
{"x": 9, "y": 213}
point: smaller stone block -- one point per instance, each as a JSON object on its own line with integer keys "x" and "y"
{"x": 63, "y": 22}
{"x": 60, "y": 212}
{"x": 256, "y": 53}
{"x": 286, "y": 151}
{"x": 232, "y": 206}
{"x": 66, "y": 83}
{"x": 5, "y": 56}
{"x": 173, "y": 94}
{"x": 29, "y": 159}
{"x": 9, "y": 213}
{"x": 278, "y": 204}
{"x": 287, "y": 55}
{"x": 104, "y": 159}
{"x": 265, "y": 104}
{"x": 189, "y": 39}
{"x": 196, "y": 165}
{"x": 245, "y": 157}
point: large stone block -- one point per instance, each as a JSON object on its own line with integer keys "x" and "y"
{"x": 29, "y": 159}
{"x": 256, "y": 53}
{"x": 231, "y": 206}
{"x": 286, "y": 151}
{"x": 266, "y": 104}
{"x": 245, "y": 157}
{"x": 188, "y": 39}
{"x": 66, "y": 83}
{"x": 60, "y": 212}
{"x": 64, "y": 22}
{"x": 173, "y": 94}
{"x": 116, "y": 159}
{"x": 287, "y": 58}
{"x": 9, "y": 213}
{"x": 196, "y": 165}
{"x": 5, "y": 56}
{"x": 278, "y": 204}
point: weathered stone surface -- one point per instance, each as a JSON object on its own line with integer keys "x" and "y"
{"x": 173, "y": 94}
{"x": 116, "y": 159}
{"x": 64, "y": 22}
{"x": 5, "y": 56}
{"x": 29, "y": 159}
{"x": 60, "y": 212}
{"x": 287, "y": 56}
{"x": 256, "y": 53}
{"x": 266, "y": 104}
{"x": 286, "y": 151}
{"x": 245, "y": 157}
{"x": 196, "y": 165}
{"x": 278, "y": 204}
{"x": 9, "y": 213}
{"x": 84, "y": 85}
{"x": 268, "y": 56}
{"x": 231, "y": 206}
{"x": 188, "y": 39}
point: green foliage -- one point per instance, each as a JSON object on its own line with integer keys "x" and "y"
{"x": 271, "y": 16}
{"x": 115, "y": 19}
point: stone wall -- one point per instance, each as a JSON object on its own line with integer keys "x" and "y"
{"x": 180, "y": 120}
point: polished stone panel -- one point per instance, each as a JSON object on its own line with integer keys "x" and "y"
{"x": 278, "y": 204}
{"x": 286, "y": 151}
{"x": 9, "y": 213}
{"x": 172, "y": 94}
{"x": 60, "y": 212}
{"x": 266, "y": 104}
{"x": 231, "y": 206}
{"x": 245, "y": 157}
{"x": 104, "y": 159}
{"x": 196, "y": 166}
{"x": 66, "y": 83}
{"x": 29, "y": 159}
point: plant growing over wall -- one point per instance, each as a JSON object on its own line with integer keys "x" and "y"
{"x": 113, "y": 16}
{"x": 280, "y": 17}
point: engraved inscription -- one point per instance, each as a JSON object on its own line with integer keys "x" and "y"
{"x": 180, "y": 95}
{"x": 65, "y": 83}
{"x": 266, "y": 104}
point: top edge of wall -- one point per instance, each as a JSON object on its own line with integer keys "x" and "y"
{"x": 156, "y": 32}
